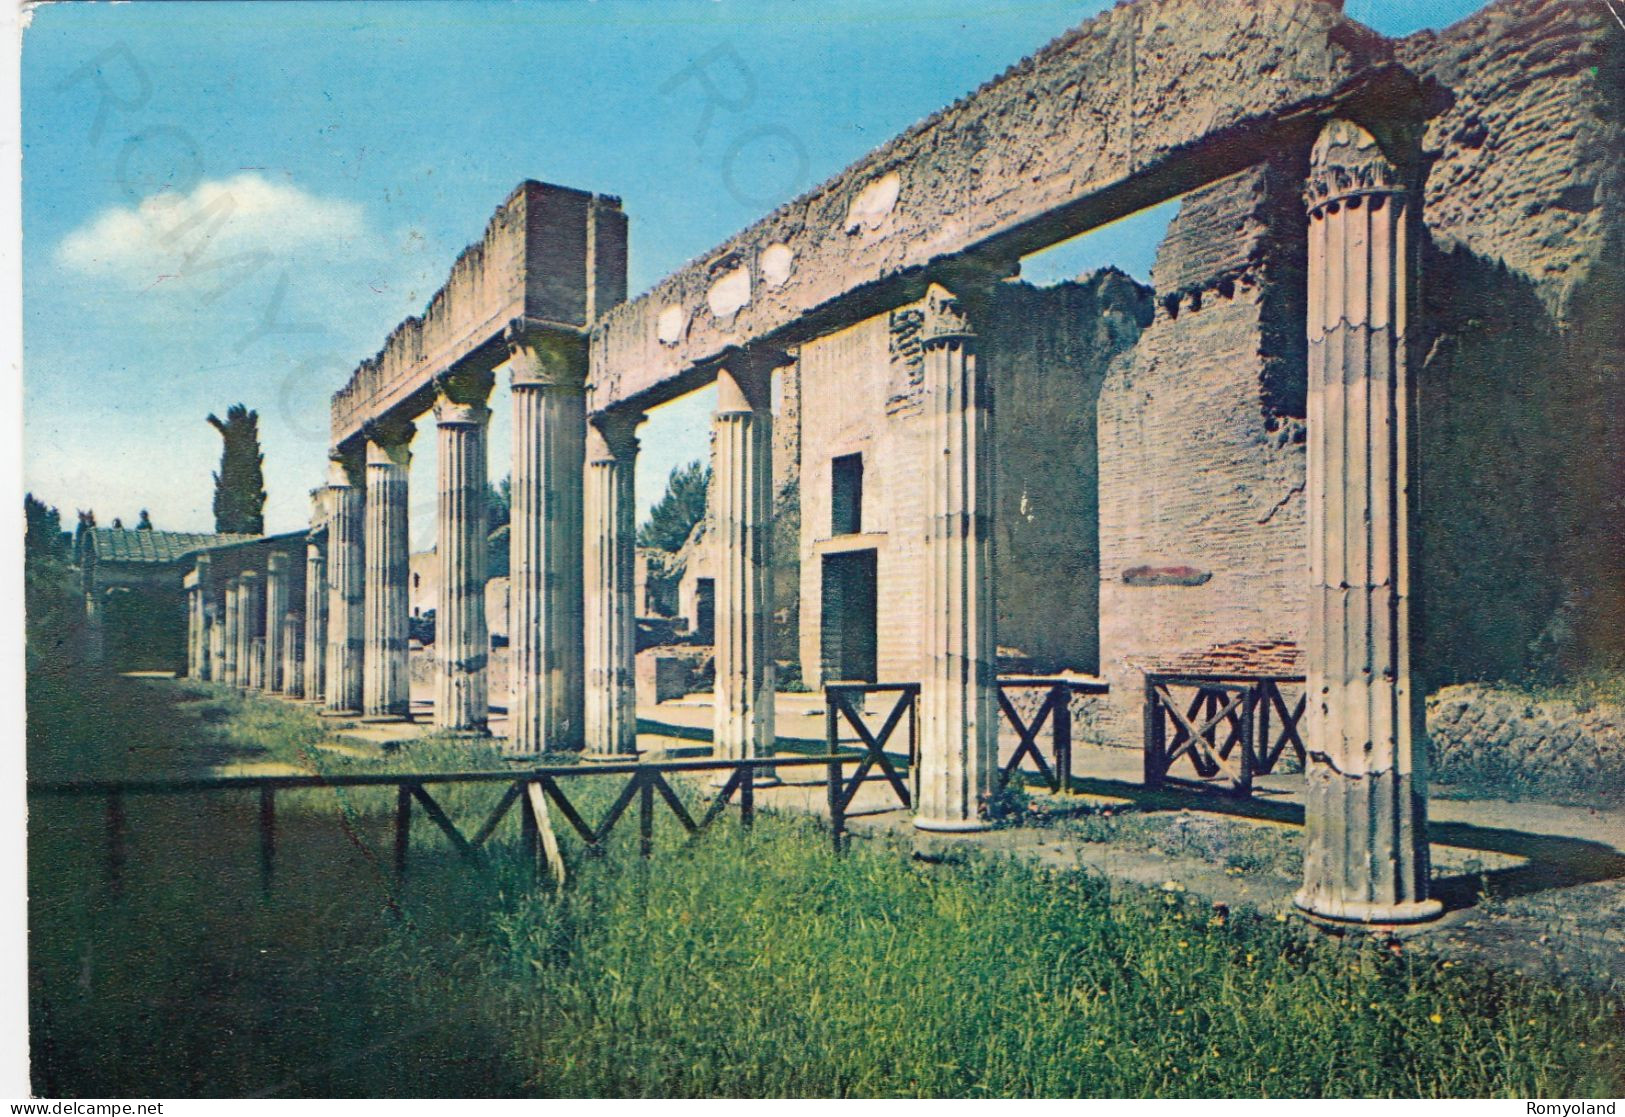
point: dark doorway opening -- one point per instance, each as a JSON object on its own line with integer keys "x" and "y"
{"x": 848, "y": 629}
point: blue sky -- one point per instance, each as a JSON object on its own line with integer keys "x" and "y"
{"x": 343, "y": 154}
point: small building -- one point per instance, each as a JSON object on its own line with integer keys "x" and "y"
{"x": 135, "y": 608}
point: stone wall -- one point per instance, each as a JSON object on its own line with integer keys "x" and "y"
{"x": 1522, "y": 407}
{"x": 1503, "y": 738}
{"x": 1201, "y": 440}
{"x": 1046, "y": 351}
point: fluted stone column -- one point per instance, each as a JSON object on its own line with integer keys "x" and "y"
{"x": 256, "y": 664}
{"x": 250, "y": 634}
{"x": 545, "y": 641}
{"x": 199, "y": 667}
{"x": 217, "y": 642}
{"x": 743, "y": 429}
{"x": 230, "y": 616}
{"x": 462, "y": 641}
{"x": 293, "y": 674}
{"x": 346, "y": 578}
{"x": 611, "y": 604}
{"x": 276, "y": 607}
{"x": 959, "y": 727}
{"x": 1366, "y": 854}
{"x": 386, "y": 683}
{"x": 316, "y": 595}
{"x": 194, "y": 630}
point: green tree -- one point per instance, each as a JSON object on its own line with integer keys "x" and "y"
{"x": 239, "y": 487}
{"x": 682, "y": 506}
{"x": 44, "y": 530}
{"x": 499, "y": 503}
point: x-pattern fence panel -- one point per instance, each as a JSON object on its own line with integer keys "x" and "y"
{"x": 843, "y": 702}
{"x": 1056, "y": 709}
{"x": 534, "y": 790}
{"x": 1228, "y": 729}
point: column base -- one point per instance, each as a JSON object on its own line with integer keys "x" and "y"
{"x": 952, "y": 825}
{"x": 759, "y": 779}
{"x": 1361, "y": 911}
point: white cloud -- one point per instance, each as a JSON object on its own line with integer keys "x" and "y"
{"x": 224, "y": 228}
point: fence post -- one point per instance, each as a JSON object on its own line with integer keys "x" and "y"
{"x": 1153, "y": 734}
{"x": 267, "y": 838}
{"x": 646, "y": 814}
{"x": 115, "y": 843}
{"x": 837, "y": 817}
{"x": 403, "y": 828}
{"x": 1061, "y": 725}
{"x": 747, "y": 798}
{"x": 530, "y": 836}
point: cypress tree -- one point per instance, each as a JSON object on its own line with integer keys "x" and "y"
{"x": 239, "y": 487}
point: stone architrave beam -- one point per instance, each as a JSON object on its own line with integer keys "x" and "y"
{"x": 550, "y": 255}
{"x": 1124, "y": 111}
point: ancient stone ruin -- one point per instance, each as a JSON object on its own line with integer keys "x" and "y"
{"x": 1368, "y": 417}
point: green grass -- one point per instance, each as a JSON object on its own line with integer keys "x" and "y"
{"x": 739, "y": 965}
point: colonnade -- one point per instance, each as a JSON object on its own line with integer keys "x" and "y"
{"x": 572, "y": 611}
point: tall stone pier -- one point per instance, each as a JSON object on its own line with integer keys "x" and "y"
{"x": 462, "y": 641}
{"x": 611, "y": 605}
{"x": 743, "y": 428}
{"x": 1366, "y": 858}
{"x": 198, "y": 613}
{"x": 276, "y": 608}
{"x": 230, "y": 617}
{"x": 316, "y": 594}
{"x": 217, "y": 641}
{"x": 346, "y": 577}
{"x": 545, "y": 644}
{"x": 250, "y": 629}
{"x": 385, "y": 687}
{"x": 959, "y": 730}
{"x": 293, "y": 675}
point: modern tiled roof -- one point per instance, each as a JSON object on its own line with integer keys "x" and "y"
{"x": 126, "y": 545}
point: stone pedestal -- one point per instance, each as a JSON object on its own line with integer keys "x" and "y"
{"x": 385, "y": 686}
{"x": 545, "y": 645}
{"x": 231, "y": 618}
{"x": 316, "y": 594}
{"x": 1366, "y": 854}
{"x": 959, "y": 727}
{"x": 346, "y": 578}
{"x": 462, "y": 643}
{"x": 276, "y": 608}
{"x": 743, "y": 428}
{"x": 611, "y": 620}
